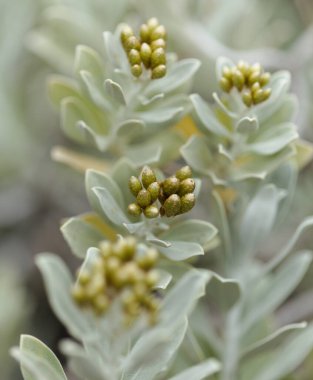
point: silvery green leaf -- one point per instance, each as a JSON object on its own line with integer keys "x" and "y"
{"x": 58, "y": 283}
{"x": 225, "y": 292}
{"x": 226, "y": 110}
{"x": 113, "y": 50}
{"x": 87, "y": 59}
{"x": 259, "y": 217}
{"x": 130, "y": 128}
{"x": 160, "y": 115}
{"x": 197, "y": 154}
{"x": 288, "y": 358}
{"x": 110, "y": 207}
{"x": 61, "y": 87}
{"x": 282, "y": 254}
{"x": 266, "y": 297}
{"x": 178, "y": 74}
{"x": 94, "y": 91}
{"x": 115, "y": 91}
{"x": 273, "y": 139}
{"x": 149, "y": 102}
{"x": 247, "y": 125}
{"x": 181, "y": 299}
{"x": 142, "y": 154}
{"x": 181, "y": 250}
{"x": 159, "y": 242}
{"x": 153, "y": 351}
{"x": 37, "y": 361}
{"x": 279, "y": 84}
{"x": 101, "y": 142}
{"x": 191, "y": 231}
{"x": 91, "y": 256}
{"x": 80, "y": 235}
{"x": 274, "y": 340}
{"x": 207, "y": 119}
{"x": 95, "y": 178}
{"x": 200, "y": 371}
{"x": 221, "y": 62}
{"x": 164, "y": 279}
{"x": 133, "y": 228}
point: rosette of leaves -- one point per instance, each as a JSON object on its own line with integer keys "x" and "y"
{"x": 109, "y": 197}
{"x": 105, "y": 106}
{"x": 103, "y": 347}
{"x": 239, "y": 142}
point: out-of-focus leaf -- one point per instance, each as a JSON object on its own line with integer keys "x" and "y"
{"x": 200, "y": 371}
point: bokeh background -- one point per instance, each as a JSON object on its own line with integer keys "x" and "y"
{"x": 38, "y": 38}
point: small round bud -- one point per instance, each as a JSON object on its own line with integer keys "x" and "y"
{"x": 266, "y": 94}
{"x": 144, "y": 198}
{"x": 183, "y": 173}
{"x": 144, "y": 33}
{"x": 170, "y": 185}
{"x": 158, "y": 57}
{"x": 258, "y": 96}
{"x": 149, "y": 259}
{"x": 225, "y": 84}
{"x": 105, "y": 248}
{"x": 134, "y": 209}
{"x": 134, "y": 185}
{"x": 227, "y": 73}
{"x": 187, "y": 202}
{"x": 264, "y": 79}
{"x": 132, "y": 43}
{"x": 243, "y": 67}
{"x": 238, "y": 79}
{"x": 120, "y": 278}
{"x": 147, "y": 176}
{"x": 154, "y": 190}
{"x": 134, "y": 57}
{"x": 254, "y": 77}
{"x": 255, "y": 87}
{"x": 152, "y": 23}
{"x": 133, "y": 273}
{"x": 159, "y": 43}
{"x": 140, "y": 291}
{"x": 125, "y": 34}
{"x": 172, "y": 205}
{"x": 83, "y": 277}
{"x": 151, "y": 212}
{"x": 152, "y": 278}
{"x": 78, "y": 293}
{"x": 101, "y": 304}
{"x": 158, "y": 72}
{"x": 187, "y": 186}
{"x": 247, "y": 98}
{"x": 112, "y": 265}
{"x": 136, "y": 70}
{"x": 130, "y": 248}
{"x": 157, "y": 33}
{"x": 145, "y": 54}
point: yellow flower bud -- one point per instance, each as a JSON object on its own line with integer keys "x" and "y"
{"x": 152, "y": 278}
{"x": 147, "y": 176}
{"x": 154, "y": 190}
{"x": 152, "y": 23}
{"x": 264, "y": 79}
{"x": 187, "y": 202}
{"x": 134, "y": 57}
{"x": 172, "y": 205}
{"x": 144, "y": 198}
{"x": 157, "y": 33}
{"x": 258, "y": 96}
{"x": 144, "y": 33}
{"x": 247, "y": 98}
{"x": 136, "y": 70}
{"x": 170, "y": 185}
{"x": 158, "y": 57}
{"x": 101, "y": 303}
{"x": 226, "y": 84}
{"x": 78, "y": 293}
{"x": 149, "y": 259}
{"x": 184, "y": 173}
{"x": 187, "y": 186}
{"x": 159, "y": 43}
{"x": 266, "y": 94}
{"x": 145, "y": 54}
{"x": 227, "y": 73}
{"x": 151, "y": 212}
{"x": 134, "y": 209}
{"x": 105, "y": 248}
{"x": 134, "y": 185}
{"x": 254, "y": 77}
{"x": 158, "y": 72}
{"x": 125, "y": 34}
{"x": 131, "y": 43}
{"x": 238, "y": 79}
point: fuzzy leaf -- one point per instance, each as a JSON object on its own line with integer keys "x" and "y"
{"x": 200, "y": 371}
{"x": 80, "y": 235}
{"x": 58, "y": 283}
{"x": 181, "y": 250}
{"x": 206, "y": 117}
{"x": 225, "y": 292}
{"x": 153, "y": 351}
{"x": 87, "y": 59}
{"x": 115, "y": 91}
{"x": 196, "y": 153}
{"x": 247, "y": 125}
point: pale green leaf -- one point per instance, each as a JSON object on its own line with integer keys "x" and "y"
{"x": 200, "y": 371}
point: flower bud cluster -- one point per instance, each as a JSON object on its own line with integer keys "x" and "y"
{"x": 247, "y": 79}
{"x": 174, "y": 194}
{"x": 148, "y": 50}
{"x": 120, "y": 270}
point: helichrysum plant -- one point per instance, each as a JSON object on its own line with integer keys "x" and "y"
{"x": 129, "y": 306}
